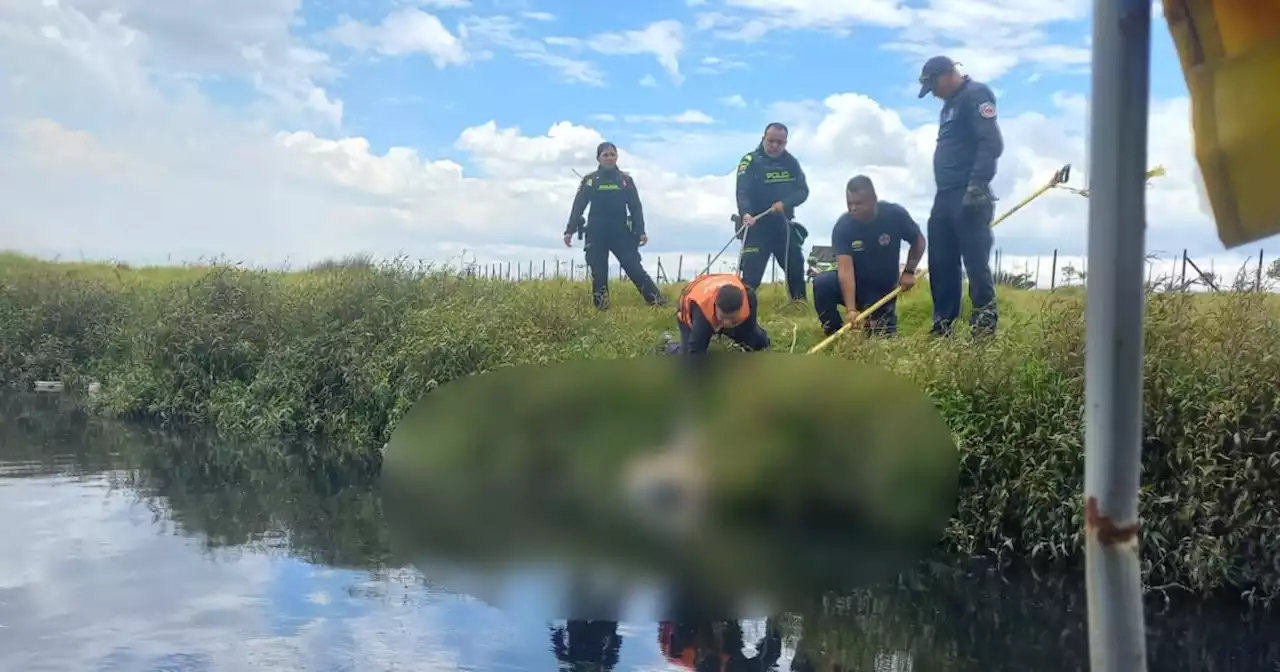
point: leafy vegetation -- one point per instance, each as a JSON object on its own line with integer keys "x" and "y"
{"x": 342, "y": 351}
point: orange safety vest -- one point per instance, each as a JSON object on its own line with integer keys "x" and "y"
{"x": 701, "y": 291}
{"x": 686, "y": 656}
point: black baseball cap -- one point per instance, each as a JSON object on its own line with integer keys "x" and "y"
{"x": 934, "y": 68}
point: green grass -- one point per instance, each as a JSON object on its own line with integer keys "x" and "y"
{"x": 343, "y": 351}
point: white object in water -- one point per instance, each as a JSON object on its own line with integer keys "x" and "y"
{"x": 668, "y": 490}
{"x": 95, "y": 389}
{"x": 48, "y": 386}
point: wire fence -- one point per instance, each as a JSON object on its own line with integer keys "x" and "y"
{"x": 1165, "y": 272}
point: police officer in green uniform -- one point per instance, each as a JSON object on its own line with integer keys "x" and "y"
{"x": 770, "y": 178}
{"x": 819, "y": 264}
{"x": 615, "y": 224}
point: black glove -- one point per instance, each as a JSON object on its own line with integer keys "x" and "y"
{"x": 977, "y": 194}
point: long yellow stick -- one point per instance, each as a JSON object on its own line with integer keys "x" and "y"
{"x": 1154, "y": 172}
{"x": 1059, "y": 177}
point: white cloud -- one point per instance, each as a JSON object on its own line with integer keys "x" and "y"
{"x": 129, "y": 48}
{"x": 686, "y": 117}
{"x": 441, "y": 4}
{"x": 711, "y": 65}
{"x": 794, "y": 14}
{"x": 664, "y": 40}
{"x": 648, "y": 81}
{"x": 406, "y": 31}
{"x": 539, "y": 16}
{"x": 153, "y": 170}
{"x": 502, "y": 31}
{"x": 736, "y": 100}
{"x": 989, "y": 37}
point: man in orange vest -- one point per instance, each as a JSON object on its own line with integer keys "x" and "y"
{"x": 717, "y": 303}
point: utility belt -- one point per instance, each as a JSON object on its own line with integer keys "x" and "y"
{"x": 582, "y": 227}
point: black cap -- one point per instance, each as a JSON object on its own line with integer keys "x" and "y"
{"x": 934, "y": 68}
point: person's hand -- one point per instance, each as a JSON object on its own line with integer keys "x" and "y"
{"x": 643, "y": 240}
{"x": 851, "y": 314}
{"x": 776, "y": 207}
{"x": 975, "y": 194}
{"x": 907, "y": 280}
{"x": 748, "y": 220}
{"x": 568, "y": 240}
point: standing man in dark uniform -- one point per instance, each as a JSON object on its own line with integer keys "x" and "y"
{"x": 964, "y": 163}
{"x": 615, "y": 224}
{"x": 866, "y": 242}
{"x": 770, "y": 178}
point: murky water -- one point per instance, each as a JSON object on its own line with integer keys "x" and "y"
{"x": 125, "y": 549}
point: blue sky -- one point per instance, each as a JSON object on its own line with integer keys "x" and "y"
{"x": 388, "y": 99}
{"x": 276, "y": 131}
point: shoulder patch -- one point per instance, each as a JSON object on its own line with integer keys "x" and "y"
{"x": 745, "y": 164}
{"x": 987, "y": 110}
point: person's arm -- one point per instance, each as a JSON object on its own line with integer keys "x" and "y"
{"x": 983, "y": 125}
{"x": 800, "y": 193}
{"x": 700, "y": 331}
{"x": 746, "y": 182}
{"x": 842, "y": 246}
{"x": 754, "y": 336}
{"x": 634, "y": 207}
{"x": 580, "y": 202}
{"x": 909, "y": 231}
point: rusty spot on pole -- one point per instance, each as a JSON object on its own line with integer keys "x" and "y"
{"x": 1108, "y": 532}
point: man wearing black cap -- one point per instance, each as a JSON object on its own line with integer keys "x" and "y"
{"x": 964, "y": 163}
{"x": 614, "y": 224}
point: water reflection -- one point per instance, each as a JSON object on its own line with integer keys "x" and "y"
{"x": 586, "y": 645}
{"x": 718, "y": 646}
{"x": 129, "y": 550}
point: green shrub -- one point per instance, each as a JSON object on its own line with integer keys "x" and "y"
{"x": 343, "y": 350}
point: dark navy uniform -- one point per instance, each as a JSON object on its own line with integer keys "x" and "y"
{"x": 593, "y": 643}
{"x": 763, "y": 181}
{"x": 964, "y": 163}
{"x": 613, "y": 225}
{"x": 875, "y": 247}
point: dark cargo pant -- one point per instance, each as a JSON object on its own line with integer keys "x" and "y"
{"x": 626, "y": 248}
{"x": 827, "y": 299}
{"x": 749, "y": 335}
{"x": 769, "y": 238}
{"x": 957, "y": 234}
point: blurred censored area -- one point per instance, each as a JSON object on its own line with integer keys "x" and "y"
{"x": 766, "y": 476}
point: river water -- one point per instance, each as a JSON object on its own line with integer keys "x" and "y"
{"x": 128, "y": 549}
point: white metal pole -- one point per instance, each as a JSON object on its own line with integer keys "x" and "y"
{"x": 1113, "y": 346}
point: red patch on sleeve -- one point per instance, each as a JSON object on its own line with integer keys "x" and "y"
{"x": 987, "y": 110}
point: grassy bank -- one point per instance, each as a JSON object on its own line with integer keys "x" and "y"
{"x": 345, "y": 351}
